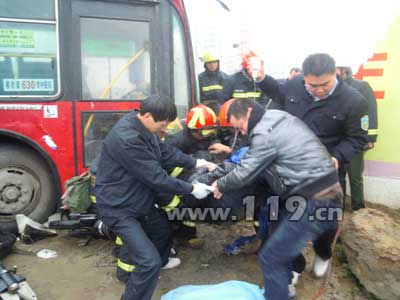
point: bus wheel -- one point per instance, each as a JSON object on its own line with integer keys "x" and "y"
{"x": 26, "y": 186}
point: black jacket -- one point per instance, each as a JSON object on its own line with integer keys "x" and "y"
{"x": 240, "y": 85}
{"x": 131, "y": 170}
{"x": 184, "y": 141}
{"x": 336, "y": 120}
{"x": 285, "y": 152}
{"x": 211, "y": 85}
{"x": 365, "y": 89}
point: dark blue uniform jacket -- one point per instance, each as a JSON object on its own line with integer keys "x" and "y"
{"x": 131, "y": 170}
{"x": 240, "y": 85}
{"x": 336, "y": 120}
{"x": 211, "y": 85}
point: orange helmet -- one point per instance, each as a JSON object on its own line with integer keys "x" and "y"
{"x": 223, "y": 113}
{"x": 246, "y": 59}
{"x": 201, "y": 117}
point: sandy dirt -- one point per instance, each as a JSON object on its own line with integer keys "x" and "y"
{"x": 87, "y": 272}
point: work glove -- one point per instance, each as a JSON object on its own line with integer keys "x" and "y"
{"x": 201, "y": 190}
{"x": 202, "y": 163}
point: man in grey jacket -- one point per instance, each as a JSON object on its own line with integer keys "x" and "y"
{"x": 297, "y": 168}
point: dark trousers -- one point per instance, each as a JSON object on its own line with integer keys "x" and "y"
{"x": 147, "y": 241}
{"x": 267, "y": 228}
{"x": 323, "y": 244}
{"x": 285, "y": 244}
{"x": 355, "y": 171}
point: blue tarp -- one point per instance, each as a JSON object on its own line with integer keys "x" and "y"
{"x": 232, "y": 290}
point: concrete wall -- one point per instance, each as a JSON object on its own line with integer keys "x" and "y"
{"x": 382, "y": 167}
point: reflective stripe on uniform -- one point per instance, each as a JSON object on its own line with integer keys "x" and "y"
{"x": 173, "y": 204}
{"x": 93, "y": 199}
{"x": 246, "y": 95}
{"x": 124, "y": 266}
{"x": 189, "y": 223}
{"x": 118, "y": 241}
{"x": 176, "y": 200}
{"x": 372, "y": 131}
{"x": 212, "y": 87}
{"x": 176, "y": 172}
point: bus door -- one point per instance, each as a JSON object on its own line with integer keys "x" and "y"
{"x": 116, "y": 45}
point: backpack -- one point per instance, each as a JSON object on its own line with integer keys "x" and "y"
{"x": 77, "y": 193}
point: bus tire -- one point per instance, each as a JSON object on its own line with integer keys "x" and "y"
{"x": 26, "y": 186}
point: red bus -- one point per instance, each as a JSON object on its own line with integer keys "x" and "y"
{"x": 69, "y": 69}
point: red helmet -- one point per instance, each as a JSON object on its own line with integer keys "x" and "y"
{"x": 223, "y": 113}
{"x": 246, "y": 59}
{"x": 201, "y": 117}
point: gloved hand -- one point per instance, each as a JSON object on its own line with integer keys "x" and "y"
{"x": 201, "y": 190}
{"x": 200, "y": 163}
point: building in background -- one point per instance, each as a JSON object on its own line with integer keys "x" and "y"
{"x": 215, "y": 29}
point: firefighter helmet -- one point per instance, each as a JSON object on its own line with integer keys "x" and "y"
{"x": 223, "y": 113}
{"x": 209, "y": 57}
{"x": 201, "y": 117}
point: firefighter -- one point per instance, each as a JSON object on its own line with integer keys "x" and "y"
{"x": 356, "y": 166}
{"x": 211, "y": 82}
{"x": 129, "y": 176}
{"x": 199, "y": 131}
{"x": 193, "y": 136}
{"x": 242, "y": 84}
{"x": 198, "y": 137}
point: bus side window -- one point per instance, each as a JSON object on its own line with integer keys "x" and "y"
{"x": 5, "y": 71}
{"x": 36, "y": 68}
{"x": 28, "y": 59}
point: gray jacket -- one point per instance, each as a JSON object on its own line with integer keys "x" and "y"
{"x": 287, "y": 154}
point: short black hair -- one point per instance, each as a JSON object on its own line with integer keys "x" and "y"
{"x": 295, "y": 70}
{"x": 347, "y": 70}
{"x": 318, "y": 64}
{"x": 239, "y": 107}
{"x": 162, "y": 108}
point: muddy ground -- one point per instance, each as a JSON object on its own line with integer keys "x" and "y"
{"x": 84, "y": 271}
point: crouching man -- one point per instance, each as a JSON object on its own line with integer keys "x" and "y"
{"x": 129, "y": 176}
{"x": 285, "y": 152}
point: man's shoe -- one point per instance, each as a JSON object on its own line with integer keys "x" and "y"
{"x": 173, "y": 262}
{"x": 295, "y": 278}
{"x": 320, "y": 266}
{"x": 292, "y": 285}
{"x": 292, "y": 292}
